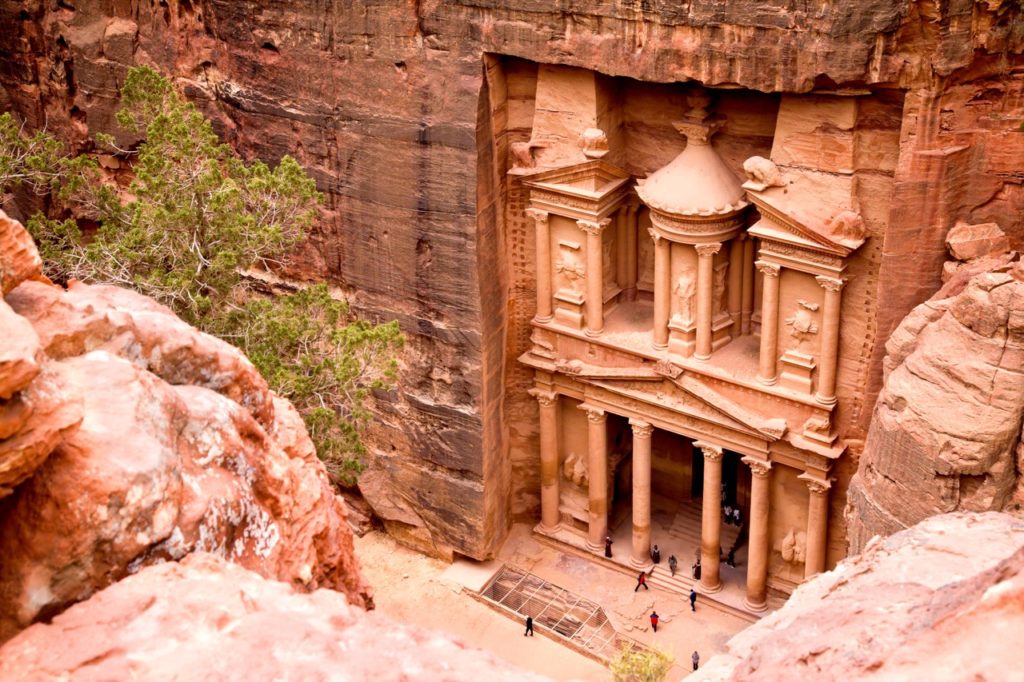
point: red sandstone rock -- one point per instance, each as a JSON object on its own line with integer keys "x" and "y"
{"x": 943, "y": 600}
{"x": 18, "y": 352}
{"x": 967, "y": 242}
{"x": 19, "y": 259}
{"x": 948, "y": 421}
{"x": 206, "y": 619}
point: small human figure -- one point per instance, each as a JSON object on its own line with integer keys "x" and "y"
{"x": 654, "y": 620}
{"x": 727, "y": 512}
{"x": 693, "y": 600}
{"x": 608, "y": 546}
{"x": 529, "y": 626}
{"x": 731, "y": 559}
{"x": 736, "y": 517}
{"x": 696, "y": 660}
{"x": 656, "y": 555}
{"x": 672, "y": 564}
{"x": 696, "y": 570}
{"x": 641, "y": 580}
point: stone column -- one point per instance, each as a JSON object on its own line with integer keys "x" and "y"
{"x": 631, "y": 252}
{"x": 736, "y": 283}
{"x": 641, "y": 493}
{"x": 621, "y": 248}
{"x": 748, "y": 283}
{"x": 817, "y": 524}
{"x": 662, "y": 289}
{"x": 768, "y": 371}
{"x": 711, "y": 518}
{"x": 549, "y": 473}
{"x": 829, "y": 354}
{"x": 540, "y": 219}
{"x": 757, "y": 523}
{"x": 594, "y": 276}
{"x": 597, "y": 466}
{"x": 705, "y": 297}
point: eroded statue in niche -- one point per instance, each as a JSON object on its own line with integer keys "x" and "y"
{"x": 574, "y": 468}
{"x": 801, "y": 323}
{"x": 608, "y": 272}
{"x": 645, "y": 263}
{"x": 522, "y": 153}
{"x": 594, "y": 143}
{"x": 846, "y": 226}
{"x": 794, "y": 546}
{"x": 685, "y": 291}
{"x": 721, "y": 274}
{"x": 570, "y": 270}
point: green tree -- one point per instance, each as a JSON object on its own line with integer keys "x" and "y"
{"x": 634, "y": 664}
{"x": 194, "y": 218}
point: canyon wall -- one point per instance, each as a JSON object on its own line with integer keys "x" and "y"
{"x": 403, "y": 112}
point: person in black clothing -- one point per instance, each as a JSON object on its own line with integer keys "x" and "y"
{"x": 529, "y": 626}
{"x": 696, "y": 660}
{"x": 693, "y": 600}
{"x": 656, "y": 555}
{"x": 608, "y": 546}
{"x": 731, "y": 559}
{"x": 696, "y": 570}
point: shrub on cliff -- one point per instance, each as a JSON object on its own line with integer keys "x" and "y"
{"x": 194, "y": 218}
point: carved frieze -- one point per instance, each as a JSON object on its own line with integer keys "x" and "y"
{"x": 797, "y": 253}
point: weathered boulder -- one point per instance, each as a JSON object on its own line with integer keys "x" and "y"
{"x": 18, "y": 365}
{"x": 947, "y": 424}
{"x": 206, "y": 618}
{"x": 942, "y": 600}
{"x": 19, "y": 259}
{"x": 967, "y": 242}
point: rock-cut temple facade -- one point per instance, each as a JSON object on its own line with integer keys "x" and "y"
{"x": 685, "y": 347}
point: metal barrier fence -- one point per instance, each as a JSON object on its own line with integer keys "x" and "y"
{"x": 553, "y": 608}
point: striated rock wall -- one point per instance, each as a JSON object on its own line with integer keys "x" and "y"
{"x": 940, "y": 600}
{"x": 128, "y": 438}
{"x": 388, "y": 105}
{"x": 946, "y": 431}
{"x": 208, "y": 619}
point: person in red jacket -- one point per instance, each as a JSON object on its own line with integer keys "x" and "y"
{"x": 641, "y": 580}
{"x": 654, "y": 621}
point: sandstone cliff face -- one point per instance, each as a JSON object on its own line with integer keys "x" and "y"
{"x": 942, "y": 600}
{"x": 390, "y": 107}
{"x": 946, "y": 430}
{"x": 208, "y": 619}
{"x": 127, "y": 439}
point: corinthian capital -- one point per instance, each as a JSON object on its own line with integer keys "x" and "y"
{"x": 767, "y": 269}
{"x": 592, "y": 227}
{"x": 545, "y": 398}
{"x": 708, "y": 250}
{"x": 758, "y": 467}
{"x": 537, "y": 214}
{"x": 641, "y": 429}
{"x": 712, "y": 452}
{"x": 594, "y": 414}
{"x": 831, "y": 283}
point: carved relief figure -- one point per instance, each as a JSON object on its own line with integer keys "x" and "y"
{"x": 575, "y": 469}
{"x": 762, "y": 173}
{"x": 794, "y": 546}
{"x": 721, "y": 274}
{"x": 645, "y": 264}
{"x": 846, "y": 226}
{"x": 801, "y": 323}
{"x": 686, "y": 290}
{"x": 608, "y": 270}
{"x": 570, "y": 270}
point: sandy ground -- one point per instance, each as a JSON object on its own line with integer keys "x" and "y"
{"x": 412, "y": 588}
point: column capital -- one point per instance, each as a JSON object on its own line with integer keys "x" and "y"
{"x": 712, "y": 452}
{"x": 816, "y": 485}
{"x": 767, "y": 269}
{"x": 654, "y": 235}
{"x": 594, "y": 414}
{"x": 539, "y": 215}
{"x": 831, "y": 283}
{"x": 708, "y": 250}
{"x": 758, "y": 467}
{"x": 641, "y": 429}
{"x": 593, "y": 227}
{"x": 543, "y": 397}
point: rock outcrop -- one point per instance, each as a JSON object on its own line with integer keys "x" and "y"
{"x": 204, "y": 618}
{"x": 128, "y": 438}
{"x": 946, "y": 432}
{"x": 942, "y": 600}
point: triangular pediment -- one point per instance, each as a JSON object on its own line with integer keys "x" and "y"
{"x": 593, "y": 179}
{"x": 779, "y": 226}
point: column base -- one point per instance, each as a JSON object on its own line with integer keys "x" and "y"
{"x": 550, "y": 530}
{"x": 543, "y": 320}
{"x": 763, "y": 606}
{"x": 710, "y": 589}
{"x": 825, "y": 400}
{"x": 698, "y": 356}
{"x": 769, "y": 381}
{"x": 598, "y": 548}
{"x": 659, "y": 346}
{"x": 593, "y": 333}
{"x": 641, "y": 565}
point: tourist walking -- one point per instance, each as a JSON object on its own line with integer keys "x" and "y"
{"x": 641, "y": 580}
{"x": 696, "y": 660}
{"x": 693, "y": 600}
{"x": 654, "y": 621}
{"x": 529, "y": 626}
{"x": 656, "y": 555}
{"x": 608, "y": 546}
{"x": 672, "y": 563}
